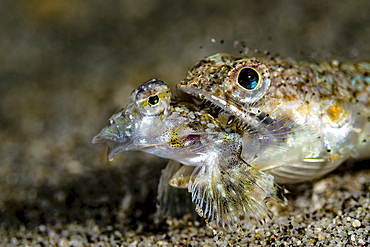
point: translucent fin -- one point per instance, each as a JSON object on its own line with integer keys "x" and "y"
{"x": 286, "y": 150}
{"x": 303, "y": 171}
{"x": 223, "y": 194}
{"x": 182, "y": 177}
{"x": 172, "y": 201}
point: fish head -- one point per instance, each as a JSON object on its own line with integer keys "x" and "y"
{"x": 227, "y": 82}
{"x": 137, "y": 123}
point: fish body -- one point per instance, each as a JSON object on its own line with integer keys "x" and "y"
{"x": 251, "y": 123}
{"x": 300, "y": 120}
{"x": 223, "y": 186}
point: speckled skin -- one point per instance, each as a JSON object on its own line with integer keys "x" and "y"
{"x": 223, "y": 186}
{"x": 301, "y": 121}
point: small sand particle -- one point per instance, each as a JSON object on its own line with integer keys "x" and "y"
{"x": 356, "y": 223}
{"x": 320, "y": 236}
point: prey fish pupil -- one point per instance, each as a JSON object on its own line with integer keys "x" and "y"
{"x": 153, "y": 100}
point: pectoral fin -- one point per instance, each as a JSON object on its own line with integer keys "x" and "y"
{"x": 222, "y": 194}
{"x": 182, "y": 177}
{"x": 172, "y": 201}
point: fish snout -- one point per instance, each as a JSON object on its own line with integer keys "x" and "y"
{"x": 117, "y": 135}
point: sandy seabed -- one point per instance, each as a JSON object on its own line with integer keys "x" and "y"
{"x": 66, "y": 66}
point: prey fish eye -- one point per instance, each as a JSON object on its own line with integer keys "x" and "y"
{"x": 248, "y": 78}
{"x": 153, "y": 100}
{"x": 152, "y": 97}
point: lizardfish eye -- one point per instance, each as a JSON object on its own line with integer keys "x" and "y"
{"x": 153, "y": 100}
{"x": 248, "y": 78}
{"x": 247, "y": 81}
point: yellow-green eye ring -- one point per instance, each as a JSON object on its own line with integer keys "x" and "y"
{"x": 153, "y": 100}
{"x": 248, "y": 78}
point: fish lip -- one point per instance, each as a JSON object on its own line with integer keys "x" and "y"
{"x": 195, "y": 92}
{"x": 114, "y": 138}
{"x": 116, "y": 148}
{"x": 219, "y": 100}
{"x": 98, "y": 139}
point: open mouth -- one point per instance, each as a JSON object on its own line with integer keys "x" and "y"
{"x": 114, "y": 138}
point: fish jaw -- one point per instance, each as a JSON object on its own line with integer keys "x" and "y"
{"x": 117, "y": 134}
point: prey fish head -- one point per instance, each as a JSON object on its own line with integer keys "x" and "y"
{"x": 135, "y": 124}
{"x": 150, "y": 122}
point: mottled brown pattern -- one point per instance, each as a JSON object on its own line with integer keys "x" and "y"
{"x": 290, "y": 80}
{"x": 314, "y": 111}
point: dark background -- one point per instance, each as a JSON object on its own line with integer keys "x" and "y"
{"x": 67, "y": 65}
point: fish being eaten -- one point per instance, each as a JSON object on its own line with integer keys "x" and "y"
{"x": 222, "y": 185}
